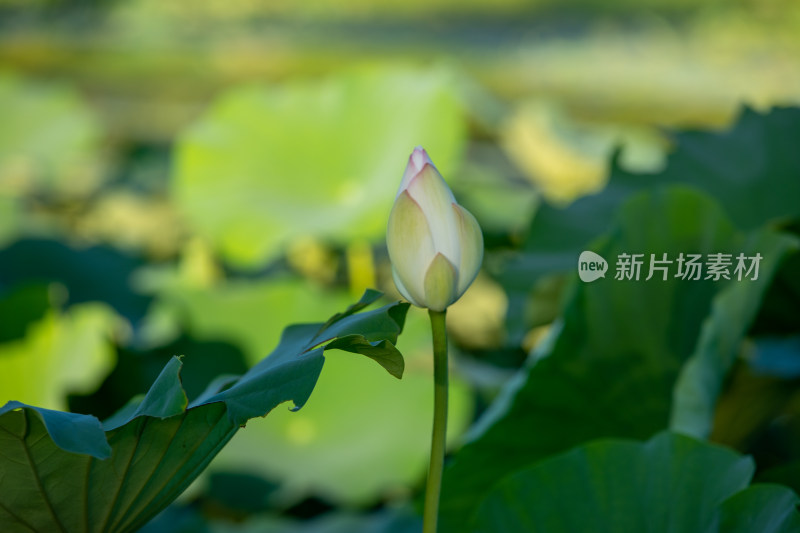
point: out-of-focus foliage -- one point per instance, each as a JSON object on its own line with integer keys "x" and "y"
{"x": 87, "y": 274}
{"x": 188, "y": 520}
{"x": 750, "y": 170}
{"x": 568, "y": 160}
{"x": 266, "y": 166}
{"x": 49, "y": 140}
{"x": 61, "y": 353}
{"x": 760, "y": 187}
{"x": 171, "y": 173}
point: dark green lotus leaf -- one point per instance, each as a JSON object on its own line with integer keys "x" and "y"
{"x": 733, "y": 311}
{"x": 766, "y": 508}
{"x": 616, "y": 353}
{"x": 20, "y": 306}
{"x": 165, "y": 398}
{"x": 69, "y": 431}
{"x": 66, "y": 472}
{"x": 93, "y": 274}
{"x": 671, "y": 483}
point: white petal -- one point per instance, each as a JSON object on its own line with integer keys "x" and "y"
{"x": 410, "y": 245}
{"x": 417, "y": 160}
{"x": 434, "y": 197}
{"x": 471, "y": 240}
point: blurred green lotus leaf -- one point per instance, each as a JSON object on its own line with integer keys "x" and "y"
{"x": 671, "y": 483}
{"x": 10, "y": 218}
{"x": 241, "y": 311}
{"x": 702, "y": 378}
{"x": 268, "y": 164}
{"x": 764, "y": 507}
{"x": 63, "y": 352}
{"x": 568, "y": 158}
{"x": 50, "y": 139}
{"x": 89, "y": 274}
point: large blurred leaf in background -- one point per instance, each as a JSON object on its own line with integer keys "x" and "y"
{"x": 568, "y": 158}
{"x": 89, "y": 274}
{"x": 247, "y": 313}
{"x": 10, "y": 218}
{"x": 49, "y": 140}
{"x": 703, "y": 377}
{"x": 63, "y": 309}
{"x": 62, "y": 353}
{"x": 322, "y": 158}
{"x": 56, "y": 338}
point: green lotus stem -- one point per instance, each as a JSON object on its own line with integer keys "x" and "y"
{"x": 440, "y": 371}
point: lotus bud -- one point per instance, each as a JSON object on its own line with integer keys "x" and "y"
{"x": 435, "y": 245}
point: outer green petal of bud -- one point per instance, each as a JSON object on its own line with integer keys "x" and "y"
{"x": 440, "y": 284}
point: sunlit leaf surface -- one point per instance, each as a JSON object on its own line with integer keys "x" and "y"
{"x": 50, "y": 139}
{"x": 62, "y": 353}
{"x": 268, "y": 164}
